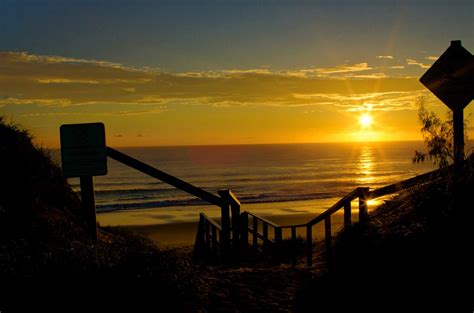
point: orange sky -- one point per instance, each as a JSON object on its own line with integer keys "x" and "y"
{"x": 156, "y": 73}
{"x": 143, "y": 107}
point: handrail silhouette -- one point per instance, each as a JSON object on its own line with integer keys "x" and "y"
{"x": 209, "y": 232}
{"x": 362, "y": 193}
{"x": 230, "y": 238}
{"x": 164, "y": 177}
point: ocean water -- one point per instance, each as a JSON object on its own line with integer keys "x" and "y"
{"x": 258, "y": 174}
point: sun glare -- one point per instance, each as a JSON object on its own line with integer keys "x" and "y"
{"x": 365, "y": 120}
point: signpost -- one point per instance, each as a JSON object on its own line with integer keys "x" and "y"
{"x": 451, "y": 79}
{"x": 83, "y": 154}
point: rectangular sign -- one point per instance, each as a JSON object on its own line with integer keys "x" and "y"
{"x": 83, "y": 149}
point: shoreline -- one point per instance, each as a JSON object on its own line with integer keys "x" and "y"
{"x": 177, "y": 226}
{"x": 181, "y": 234}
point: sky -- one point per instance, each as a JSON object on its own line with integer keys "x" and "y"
{"x": 225, "y": 72}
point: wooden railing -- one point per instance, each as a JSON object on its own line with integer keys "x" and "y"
{"x": 361, "y": 193}
{"x": 210, "y": 238}
{"x": 264, "y": 236}
{"x": 229, "y": 240}
{"x": 344, "y": 203}
{"x": 210, "y": 234}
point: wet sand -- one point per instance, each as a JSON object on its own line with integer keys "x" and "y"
{"x": 184, "y": 233}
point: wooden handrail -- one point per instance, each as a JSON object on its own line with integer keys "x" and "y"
{"x": 274, "y": 225}
{"x": 334, "y": 208}
{"x": 261, "y": 237}
{"x": 393, "y": 188}
{"x": 211, "y": 221}
{"x": 164, "y": 177}
{"x": 229, "y": 197}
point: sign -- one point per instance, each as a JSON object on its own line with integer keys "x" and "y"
{"x": 451, "y": 77}
{"x": 83, "y": 149}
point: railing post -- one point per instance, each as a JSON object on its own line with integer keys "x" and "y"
{"x": 254, "y": 232}
{"x": 214, "y": 241}
{"x": 363, "y": 203}
{"x": 236, "y": 227}
{"x": 199, "y": 242}
{"x": 207, "y": 236}
{"x": 265, "y": 235}
{"x": 278, "y": 243}
{"x": 244, "y": 232}
{"x": 327, "y": 231}
{"x": 309, "y": 245}
{"x": 225, "y": 234}
{"x": 293, "y": 244}
{"x": 88, "y": 205}
{"x": 231, "y": 201}
{"x": 347, "y": 214}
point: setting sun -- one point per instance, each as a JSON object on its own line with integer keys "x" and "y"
{"x": 365, "y": 120}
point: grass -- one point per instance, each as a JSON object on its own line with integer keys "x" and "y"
{"x": 45, "y": 253}
{"x": 413, "y": 253}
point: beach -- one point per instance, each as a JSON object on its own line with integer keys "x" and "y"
{"x": 175, "y": 233}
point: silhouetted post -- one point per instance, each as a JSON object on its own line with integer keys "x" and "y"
{"x": 230, "y": 200}
{"x": 363, "y": 203}
{"x": 214, "y": 240}
{"x": 255, "y": 233}
{"x": 244, "y": 232}
{"x": 207, "y": 233}
{"x": 309, "y": 245}
{"x": 199, "y": 242}
{"x": 265, "y": 235}
{"x": 293, "y": 244}
{"x": 327, "y": 230}
{"x": 225, "y": 234}
{"x": 458, "y": 130}
{"x": 451, "y": 79}
{"x": 278, "y": 243}
{"x": 88, "y": 205}
{"x": 347, "y": 214}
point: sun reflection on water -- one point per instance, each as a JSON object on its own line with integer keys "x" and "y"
{"x": 365, "y": 166}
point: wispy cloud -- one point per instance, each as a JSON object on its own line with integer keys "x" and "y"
{"x": 385, "y": 57}
{"x": 105, "y": 88}
{"x": 417, "y": 63}
{"x": 344, "y": 68}
{"x": 431, "y": 58}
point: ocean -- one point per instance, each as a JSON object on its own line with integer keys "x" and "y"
{"x": 273, "y": 179}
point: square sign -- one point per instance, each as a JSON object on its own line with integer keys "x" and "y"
{"x": 451, "y": 77}
{"x": 83, "y": 149}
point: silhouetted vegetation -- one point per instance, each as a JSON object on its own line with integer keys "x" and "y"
{"x": 413, "y": 254}
{"x": 438, "y": 137}
{"x": 46, "y": 257}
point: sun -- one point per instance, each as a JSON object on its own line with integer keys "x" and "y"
{"x": 365, "y": 120}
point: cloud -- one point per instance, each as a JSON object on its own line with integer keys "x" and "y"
{"x": 345, "y": 68}
{"x": 119, "y": 136}
{"x": 377, "y": 101}
{"x": 415, "y": 62}
{"x": 66, "y": 81}
{"x": 431, "y": 58}
{"x": 78, "y": 86}
{"x": 385, "y": 57}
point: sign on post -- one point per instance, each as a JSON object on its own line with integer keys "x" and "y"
{"x": 451, "y": 79}
{"x": 83, "y": 150}
{"x": 83, "y": 154}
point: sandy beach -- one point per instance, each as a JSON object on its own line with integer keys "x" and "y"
{"x": 176, "y": 226}
{"x": 184, "y": 233}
